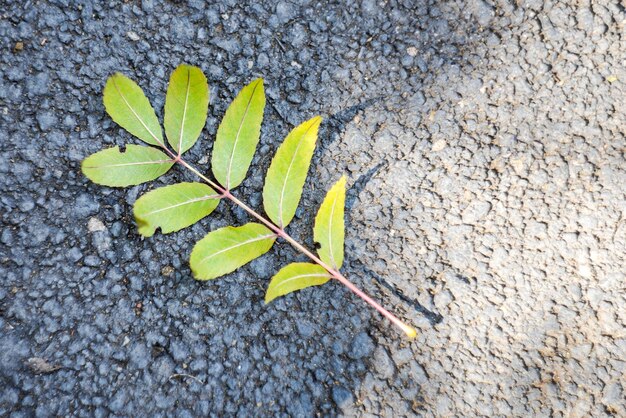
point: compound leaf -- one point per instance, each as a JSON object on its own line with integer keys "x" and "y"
{"x": 295, "y": 276}
{"x": 125, "y": 102}
{"x": 136, "y": 165}
{"x": 238, "y": 135}
{"x": 226, "y": 249}
{"x": 174, "y": 207}
{"x": 186, "y": 106}
{"x": 329, "y": 225}
{"x": 287, "y": 173}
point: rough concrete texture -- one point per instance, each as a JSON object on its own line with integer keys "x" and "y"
{"x": 484, "y": 142}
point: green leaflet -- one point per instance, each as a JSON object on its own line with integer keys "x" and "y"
{"x": 186, "y": 106}
{"x": 238, "y": 136}
{"x": 173, "y": 208}
{"x": 295, "y": 276}
{"x": 287, "y": 173}
{"x": 329, "y": 228}
{"x": 136, "y": 165}
{"x": 129, "y": 107}
{"x": 226, "y": 249}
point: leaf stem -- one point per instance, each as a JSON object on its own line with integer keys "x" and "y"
{"x": 408, "y": 330}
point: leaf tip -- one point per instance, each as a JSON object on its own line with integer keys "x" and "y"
{"x": 342, "y": 182}
{"x": 313, "y": 124}
{"x": 316, "y": 120}
{"x": 258, "y": 85}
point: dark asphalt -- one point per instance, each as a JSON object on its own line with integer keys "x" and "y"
{"x": 484, "y": 143}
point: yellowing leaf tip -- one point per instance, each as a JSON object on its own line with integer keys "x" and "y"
{"x": 261, "y": 84}
{"x": 256, "y": 82}
{"x": 314, "y": 122}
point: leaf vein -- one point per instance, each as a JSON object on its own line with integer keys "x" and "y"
{"x": 128, "y": 164}
{"x": 300, "y": 276}
{"x": 198, "y": 199}
{"x": 236, "y": 246}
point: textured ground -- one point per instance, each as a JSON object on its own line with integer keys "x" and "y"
{"x": 484, "y": 142}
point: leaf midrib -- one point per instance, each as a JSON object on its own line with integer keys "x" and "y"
{"x": 128, "y": 164}
{"x": 326, "y": 276}
{"x": 182, "y": 123}
{"x": 236, "y": 246}
{"x": 187, "y": 202}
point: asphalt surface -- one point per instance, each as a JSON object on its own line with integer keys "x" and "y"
{"x": 484, "y": 144}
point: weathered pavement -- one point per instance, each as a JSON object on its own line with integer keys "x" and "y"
{"x": 484, "y": 142}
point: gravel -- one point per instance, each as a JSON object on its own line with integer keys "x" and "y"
{"x": 484, "y": 142}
